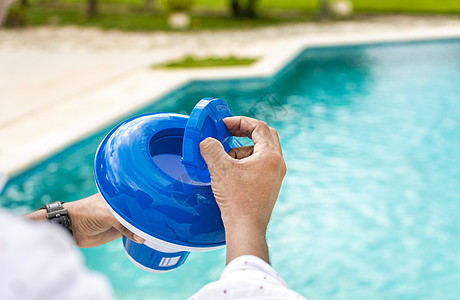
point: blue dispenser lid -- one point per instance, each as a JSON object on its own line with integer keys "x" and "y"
{"x": 204, "y": 121}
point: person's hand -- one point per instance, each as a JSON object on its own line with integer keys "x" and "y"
{"x": 246, "y": 182}
{"x": 92, "y": 224}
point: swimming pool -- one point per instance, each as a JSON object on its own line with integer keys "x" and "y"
{"x": 371, "y": 203}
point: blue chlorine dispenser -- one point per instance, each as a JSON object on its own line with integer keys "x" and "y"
{"x": 150, "y": 172}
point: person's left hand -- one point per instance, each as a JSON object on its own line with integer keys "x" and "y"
{"x": 93, "y": 225}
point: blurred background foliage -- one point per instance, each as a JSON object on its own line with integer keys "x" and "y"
{"x": 204, "y": 14}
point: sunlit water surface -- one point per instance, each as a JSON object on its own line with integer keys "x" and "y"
{"x": 370, "y": 207}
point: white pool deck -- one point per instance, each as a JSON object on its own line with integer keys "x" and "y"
{"x": 58, "y": 85}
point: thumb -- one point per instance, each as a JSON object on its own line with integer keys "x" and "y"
{"x": 130, "y": 235}
{"x": 214, "y": 154}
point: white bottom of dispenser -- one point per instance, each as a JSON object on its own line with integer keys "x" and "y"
{"x": 144, "y": 267}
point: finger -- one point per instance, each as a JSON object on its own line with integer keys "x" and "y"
{"x": 108, "y": 236}
{"x": 215, "y": 157}
{"x": 276, "y": 139}
{"x": 256, "y": 130}
{"x": 124, "y": 231}
{"x": 241, "y": 152}
{"x": 247, "y": 127}
{"x": 101, "y": 238}
{"x": 212, "y": 151}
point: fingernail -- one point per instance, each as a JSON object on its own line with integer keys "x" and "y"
{"x": 138, "y": 239}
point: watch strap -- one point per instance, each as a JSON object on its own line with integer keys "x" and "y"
{"x": 57, "y": 214}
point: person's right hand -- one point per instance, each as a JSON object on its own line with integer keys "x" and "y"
{"x": 246, "y": 183}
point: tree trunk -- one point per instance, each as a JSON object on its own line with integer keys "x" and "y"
{"x": 92, "y": 8}
{"x": 251, "y": 9}
{"x": 239, "y": 10}
{"x": 322, "y": 13}
{"x": 236, "y": 9}
{"x": 149, "y": 4}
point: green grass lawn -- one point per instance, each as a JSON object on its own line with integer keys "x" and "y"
{"x": 208, "y": 62}
{"x": 444, "y": 6}
{"x": 139, "y": 20}
{"x": 404, "y": 6}
{"x": 208, "y": 14}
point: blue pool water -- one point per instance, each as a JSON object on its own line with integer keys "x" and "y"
{"x": 370, "y": 207}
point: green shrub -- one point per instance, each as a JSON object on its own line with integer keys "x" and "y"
{"x": 178, "y": 5}
{"x": 17, "y": 16}
{"x": 206, "y": 62}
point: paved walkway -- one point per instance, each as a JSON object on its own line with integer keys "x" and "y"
{"x": 57, "y": 85}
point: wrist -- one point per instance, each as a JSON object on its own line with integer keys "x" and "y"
{"x": 37, "y": 215}
{"x": 246, "y": 238}
{"x": 54, "y": 212}
{"x": 248, "y": 224}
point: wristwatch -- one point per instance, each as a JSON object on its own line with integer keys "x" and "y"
{"x": 57, "y": 214}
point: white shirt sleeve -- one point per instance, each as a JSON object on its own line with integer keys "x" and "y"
{"x": 247, "y": 277}
{"x": 38, "y": 261}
